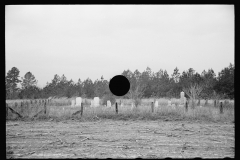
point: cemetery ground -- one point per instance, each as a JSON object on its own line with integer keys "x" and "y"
{"x": 101, "y": 133}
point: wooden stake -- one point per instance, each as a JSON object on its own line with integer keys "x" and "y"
{"x": 45, "y": 108}
{"x": 221, "y": 108}
{"x": 116, "y": 108}
{"x": 186, "y": 106}
{"x": 81, "y": 109}
{"x": 152, "y": 106}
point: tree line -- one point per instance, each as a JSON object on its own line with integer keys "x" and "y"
{"x": 150, "y": 84}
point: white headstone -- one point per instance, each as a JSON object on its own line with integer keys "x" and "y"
{"x": 180, "y": 105}
{"x": 169, "y": 103}
{"x": 92, "y": 103}
{"x": 182, "y": 97}
{"x": 78, "y": 101}
{"x": 96, "y": 101}
{"x": 132, "y": 106}
{"x": 73, "y": 103}
{"x": 109, "y": 104}
{"x": 121, "y": 105}
{"x": 156, "y": 104}
{"x": 182, "y": 94}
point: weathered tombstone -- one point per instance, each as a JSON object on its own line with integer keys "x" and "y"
{"x": 73, "y": 103}
{"x": 108, "y": 103}
{"x": 173, "y": 106}
{"x": 169, "y": 103}
{"x": 182, "y": 97}
{"x": 132, "y": 106}
{"x": 96, "y": 101}
{"x": 92, "y": 103}
{"x": 122, "y": 104}
{"x": 156, "y": 104}
{"x": 78, "y": 101}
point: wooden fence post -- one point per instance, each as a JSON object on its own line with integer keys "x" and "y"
{"x": 186, "y": 106}
{"x": 221, "y": 108}
{"x": 45, "y": 108}
{"x": 152, "y": 106}
{"x": 21, "y": 107}
{"x": 215, "y": 103}
{"x": 81, "y": 109}
{"x": 116, "y": 108}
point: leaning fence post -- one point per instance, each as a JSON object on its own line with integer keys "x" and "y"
{"x": 152, "y": 106}
{"x": 116, "y": 108}
{"x": 186, "y": 106}
{"x": 81, "y": 109}
{"x": 221, "y": 108}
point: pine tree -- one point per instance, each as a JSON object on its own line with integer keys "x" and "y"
{"x": 11, "y": 81}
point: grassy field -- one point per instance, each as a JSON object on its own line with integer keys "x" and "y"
{"x": 61, "y": 109}
{"x": 132, "y": 133}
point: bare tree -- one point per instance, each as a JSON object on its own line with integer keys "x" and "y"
{"x": 193, "y": 92}
{"x": 136, "y": 94}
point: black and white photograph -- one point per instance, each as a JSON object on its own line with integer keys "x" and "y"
{"x": 120, "y": 81}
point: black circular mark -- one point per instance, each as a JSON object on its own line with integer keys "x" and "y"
{"x": 119, "y": 85}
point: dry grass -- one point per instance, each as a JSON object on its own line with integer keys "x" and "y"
{"x": 61, "y": 109}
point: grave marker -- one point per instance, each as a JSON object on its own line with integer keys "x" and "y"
{"x": 156, "y": 104}
{"x": 78, "y": 101}
{"x": 169, "y": 103}
{"x": 108, "y": 103}
{"x": 73, "y": 103}
{"x": 96, "y": 101}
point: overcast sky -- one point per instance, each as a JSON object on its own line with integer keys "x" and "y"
{"x": 82, "y": 41}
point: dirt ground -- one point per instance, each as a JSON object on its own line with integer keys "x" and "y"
{"x": 119, "y": 139}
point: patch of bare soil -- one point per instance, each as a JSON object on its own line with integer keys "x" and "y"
{"x": 119, "y": 139}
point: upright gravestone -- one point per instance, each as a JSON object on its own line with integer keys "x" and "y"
{"x": 156, "y": 104}
{"x": 173, "y": 106}
{"x": 96, "y": 101}
{"x": 169, "y": 103}
{"x": 182, "y": 97}
{"x": 132, "y": 106}
{"x": 73, "y": 103}
{"x": 78, "y": 101}
{"x": 92, "y": 103}
{"x": 108, "y": 103}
